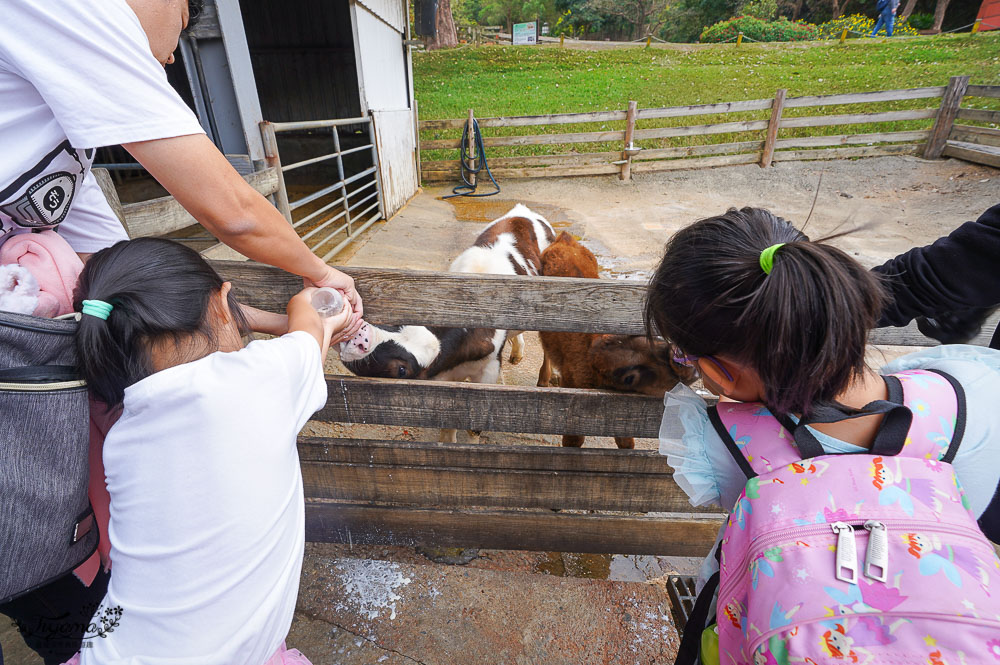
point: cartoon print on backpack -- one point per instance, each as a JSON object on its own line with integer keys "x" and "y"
{"x": 864, "y": 598}
{"x": 935, "y": 557}
{"x": 887, "y": 477}
{"x": 832, "y": 513}
{"x": 744, "y": 506}
{"x": 839, "y": 645}
{"x": 777, "y": 646}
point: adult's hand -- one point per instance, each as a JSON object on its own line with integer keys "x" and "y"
{"x": 345, "y": 284}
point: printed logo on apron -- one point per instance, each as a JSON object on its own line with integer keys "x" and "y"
{"x": 41, "y": 197}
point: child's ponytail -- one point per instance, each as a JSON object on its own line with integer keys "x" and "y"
{"x": 802, "y": 326}
{"x": 156, "y": 290}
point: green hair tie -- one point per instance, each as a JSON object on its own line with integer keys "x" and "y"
{"x": 97, "y": 308}
{"x": 767, "y": 257}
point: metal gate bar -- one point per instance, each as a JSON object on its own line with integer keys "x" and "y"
{"x": 354, "y": 222}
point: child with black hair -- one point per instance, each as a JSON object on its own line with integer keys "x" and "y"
{"x": 779, "y": 324}
{"x": 766, "y": 315}
{"x": 207, "y": 511}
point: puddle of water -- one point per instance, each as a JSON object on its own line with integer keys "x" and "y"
{"x": 613, "y": 567}
{"x": 613, "y": 267}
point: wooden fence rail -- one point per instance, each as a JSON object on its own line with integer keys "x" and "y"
{"x": 975, "y": 143}
{"x": 563, "y": 304}
{"x": 770, "y": 147}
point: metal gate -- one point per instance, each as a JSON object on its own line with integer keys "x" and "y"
{"x": 331, "y": 217}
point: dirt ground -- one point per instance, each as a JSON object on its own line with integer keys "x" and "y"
{"x": 385, "y": 605}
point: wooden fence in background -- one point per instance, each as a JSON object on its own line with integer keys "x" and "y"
{"x": 975, "y": 143}
{"x": 767, "y": 145}
{"x": 494, "y": 496}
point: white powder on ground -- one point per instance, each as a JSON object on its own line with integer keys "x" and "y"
{"x": 370, "y": 586}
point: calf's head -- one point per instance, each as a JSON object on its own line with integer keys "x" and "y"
{"x": 634, "y": 363}
{"x": 390, "y": 352}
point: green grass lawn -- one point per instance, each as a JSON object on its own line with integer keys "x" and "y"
{"x": 505, "y": 80}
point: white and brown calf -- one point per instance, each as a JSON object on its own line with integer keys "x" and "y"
{"x": 511, "y": 245}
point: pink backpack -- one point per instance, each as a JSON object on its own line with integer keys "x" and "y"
{"x": 856, "y": 558}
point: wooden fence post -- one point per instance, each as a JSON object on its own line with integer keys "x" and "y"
{"x": 772, "y": 128}
{"x": 739, "y": 39}
{"x": 562, "y": 38}
{"x": 416, "y": 138}
{"x": 626, "y": 172}
{"x": 270, "y": 141}
{"x": 945, "y": 120}
{"x": 843, "y": 36}
{"x": 470, "y": 148}
{"x": 975, "y": 26}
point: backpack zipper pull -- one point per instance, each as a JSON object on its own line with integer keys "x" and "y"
{"x": 847, "y": 553}
{"x": 877, "y": 554}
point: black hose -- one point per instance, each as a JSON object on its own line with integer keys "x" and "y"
{"x": 468, "y": 188}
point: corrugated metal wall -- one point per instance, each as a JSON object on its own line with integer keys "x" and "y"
{"x": 392, "y": 12}
{"x": 303, "y": 58}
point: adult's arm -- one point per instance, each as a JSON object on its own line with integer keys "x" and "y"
{"x": 195, "y": 173}
{"x": 957, "y": 272}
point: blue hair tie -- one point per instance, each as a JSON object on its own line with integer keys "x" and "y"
{"x": 97, "y": 308}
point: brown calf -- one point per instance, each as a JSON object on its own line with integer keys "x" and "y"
{"x": 630, "y": 363}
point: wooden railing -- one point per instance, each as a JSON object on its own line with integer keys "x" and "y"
{"x": 165, "y": 215}
{"x": 776, "y": 137}
{"x": 446, "y": 495}
{"x": 976, "y": 143}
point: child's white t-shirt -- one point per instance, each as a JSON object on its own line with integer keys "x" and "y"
{"x": 207, "y": 515}
{"x": 75, "y": 76}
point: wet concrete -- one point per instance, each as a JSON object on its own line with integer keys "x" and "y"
{"x": 447, "y": 615}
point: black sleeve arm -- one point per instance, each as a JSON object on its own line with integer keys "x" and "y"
{"x": 960, "y": 271}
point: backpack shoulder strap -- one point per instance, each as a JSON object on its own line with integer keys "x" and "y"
{"x": 937, "y": 401}
{"x": 756, "y": 439}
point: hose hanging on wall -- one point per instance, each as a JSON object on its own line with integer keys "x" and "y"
{"x": 468, "y": 186}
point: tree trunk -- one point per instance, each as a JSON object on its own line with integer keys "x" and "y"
{"x": 939, "y": 10}
{"x": 444, "y": 26}
{"x": 797, "y": 9}
{"x": 908, "y": 9}
{"x": 836, "y": 9}
{"x": 447, "y": 36}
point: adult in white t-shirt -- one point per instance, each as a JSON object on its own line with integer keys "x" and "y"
{"x": 76, "y": 75}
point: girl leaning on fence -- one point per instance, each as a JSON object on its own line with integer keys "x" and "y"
{"x": 207, "y": 512}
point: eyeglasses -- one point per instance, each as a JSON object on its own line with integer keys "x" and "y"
{"x": 691, "y": 361}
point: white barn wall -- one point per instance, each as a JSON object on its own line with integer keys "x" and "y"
{"x": 383, "y": 73}
{"x": 397, "y": 157}
{"x": 382, "y": 59}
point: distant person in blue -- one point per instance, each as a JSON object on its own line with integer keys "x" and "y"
{"x": 886, "y": 16}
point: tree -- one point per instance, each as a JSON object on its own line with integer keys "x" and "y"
{"x": 908, "y": 9}
{"x": 939, "y": 10}
{"x": 444, "y": 35}
{"x": 510, "y": 12}
{"x": 645, "y": 16}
